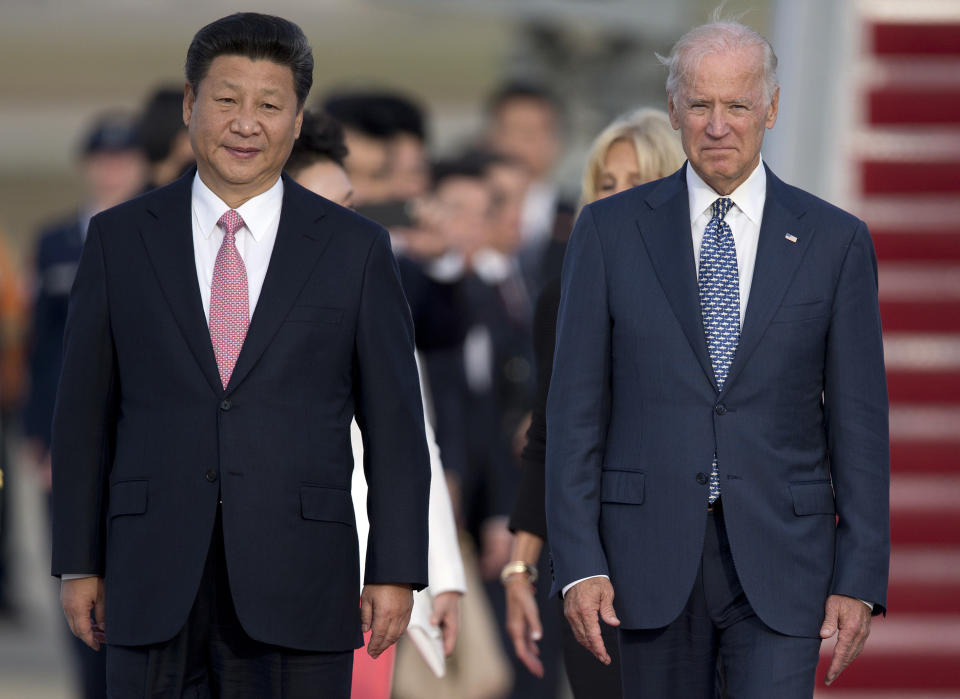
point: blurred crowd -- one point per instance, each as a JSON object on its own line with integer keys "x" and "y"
{"x": 478, "y": 236}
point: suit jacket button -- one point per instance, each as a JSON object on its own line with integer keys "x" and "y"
{"x": 226, "y": 404}
{"x": 211, "y": 475}
{"x": 702, "y": 478}
{"x": 721, "y": 409}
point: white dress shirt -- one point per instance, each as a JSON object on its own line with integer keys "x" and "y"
{"x": 744, "y": 218}
{"x": 261, "y": 218}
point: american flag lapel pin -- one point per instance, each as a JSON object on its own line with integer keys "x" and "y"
{"x": 791, "y": 237}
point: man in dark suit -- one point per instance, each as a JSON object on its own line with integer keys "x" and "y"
{"x": 223, "y": 331}
{"x": 732, "y": 487}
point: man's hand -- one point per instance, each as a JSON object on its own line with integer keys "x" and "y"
{"x": 79, "y": 598}
{"x": 852, "y": 618}
{"x": 384, "y": 609}
{"x": 523, "y": 622}
{"x": 446, "y": 615}
{"x": 581, "y": 605}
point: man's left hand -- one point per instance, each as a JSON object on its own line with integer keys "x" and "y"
{"x": 851, "y": 618}
{"x": 384, "y": 609}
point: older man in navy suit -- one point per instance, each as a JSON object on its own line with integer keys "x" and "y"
{"x": 223, "y": 332}
{"x": 717, "y": 421}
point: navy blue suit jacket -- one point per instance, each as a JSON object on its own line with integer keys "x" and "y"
{"x": 800, "y": 428}
{"x": 146, "y": 440}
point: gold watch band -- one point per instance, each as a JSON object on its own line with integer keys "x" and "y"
{"x": 518, "y": 568}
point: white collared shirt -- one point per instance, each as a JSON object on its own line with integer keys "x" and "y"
{"x": 261, "y": 218}
{"x": 744, "y": 218}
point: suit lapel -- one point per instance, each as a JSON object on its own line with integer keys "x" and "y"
{"x": 666, "y": 234}
{"x": 168, "y": 238}
{"x": 299, "y": 244}
{"x": 777, "y": 262}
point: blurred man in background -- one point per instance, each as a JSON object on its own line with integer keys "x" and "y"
{"x": 113, "y": 169}
{"x": 525, "y": 122}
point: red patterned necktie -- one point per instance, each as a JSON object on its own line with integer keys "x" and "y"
{"x": 229, "y": 298}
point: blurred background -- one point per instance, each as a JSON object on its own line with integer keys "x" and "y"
{"x": 869, "y": 120}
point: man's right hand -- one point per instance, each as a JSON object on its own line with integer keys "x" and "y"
{"x": 581, "y": 605}
{"x": 79, "y": 598}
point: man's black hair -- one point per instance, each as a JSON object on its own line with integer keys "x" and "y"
{"x": 472, "y": 165}
{"x": 257, "y": 37}
{"x": 377, "y": 114}
{"x": 321, "y": 139}
{"x": 160, "y": 122}
{"x": 523, "y": 89}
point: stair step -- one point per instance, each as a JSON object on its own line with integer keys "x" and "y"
{"x": 921, "y": 39}
{"x": 924, "y": 386}
{"x": 921, "y": 315}
{"x": 912, "y": 177}
{"x": 925, "y": 456}
{"x": 917, "y": 281}
{"x": 910, "y": 652}
{"x": 924, "y": 580}
{"x": 916, "y": 245}
{"x": 918, "y": 352}
{"x": 911, "y": 213}
{"x": 923, "y": 510}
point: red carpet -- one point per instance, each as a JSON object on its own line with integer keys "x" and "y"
{"x": 912, "y": 198}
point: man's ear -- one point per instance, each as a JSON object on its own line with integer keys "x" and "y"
{"x": 773, "y": 109}
{"x": 672, "y": 111}
{"x": 297, "y": 124}
{"x": 189, "y": 98}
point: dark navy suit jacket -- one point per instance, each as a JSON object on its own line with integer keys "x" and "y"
{"x": 146, "y": 440}
{"x": 800, "y": 428}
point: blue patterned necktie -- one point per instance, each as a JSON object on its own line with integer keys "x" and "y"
{"x": 719, "y": 303}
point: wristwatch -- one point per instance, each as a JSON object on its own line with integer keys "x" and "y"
{"x": 516, "y": 568}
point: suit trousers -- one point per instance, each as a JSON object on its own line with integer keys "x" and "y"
{"x": 717, "y": 647}
{"x": 212, "y": 657}
{"x": 589, "y": 677}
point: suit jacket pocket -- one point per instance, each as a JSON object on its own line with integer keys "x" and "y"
{"x": 314, "y": 314}
{"x": 814, "y": 498}
{"x": 128, "y": 498}
{"x": 624, "y": 487}
{"x": 323, "y": 504}
{"x": 809, "y": 310}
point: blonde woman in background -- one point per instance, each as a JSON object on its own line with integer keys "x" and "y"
{"x": 636, "y": 148}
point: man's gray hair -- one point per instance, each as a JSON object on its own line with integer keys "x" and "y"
{"x": 719, "y": 36}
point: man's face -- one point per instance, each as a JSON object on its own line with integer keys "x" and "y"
{"x": 113, "y": 177}
{"x": 368, "y": 164}
{"x": 329, "y": 180}
{"x": 463, "y": 207}
{"x": 508, "y": 186}
{"x": 242, "y": 121}
{"x": 721, "y": 114}
{"x": 409, "y": 172}
{"x": 526, "y": 128}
